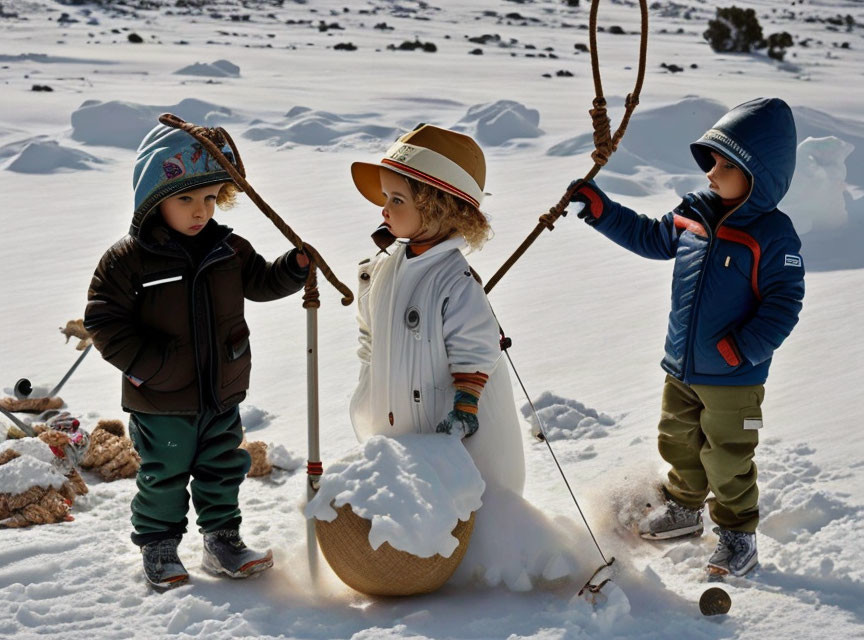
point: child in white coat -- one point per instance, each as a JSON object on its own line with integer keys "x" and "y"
{"x": 429, "y": 343}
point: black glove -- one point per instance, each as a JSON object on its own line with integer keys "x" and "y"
{"x": 594, "y": 200}
{"x": 293, "y": 268}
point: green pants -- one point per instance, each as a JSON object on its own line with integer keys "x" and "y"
{"x": 709, "y": 434}
{"x": 173, "y": 448}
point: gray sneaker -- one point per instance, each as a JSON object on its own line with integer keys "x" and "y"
{"x": 735, "y": 553}
{"x": 675, "y": 522}
{"x": 162, "y": 566}
{"x": 225, "y": 553}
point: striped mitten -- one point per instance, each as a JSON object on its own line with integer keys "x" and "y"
{"x": 463, "y": 417}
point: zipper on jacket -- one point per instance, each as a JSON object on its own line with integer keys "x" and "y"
{"x": 698, "y": 295}
{"x": 208, "y": 260}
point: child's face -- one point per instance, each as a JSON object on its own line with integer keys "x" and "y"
{"x": 400, "y": 214}
{"x": 726, "y": 179}
{"x": 188, "y": 212}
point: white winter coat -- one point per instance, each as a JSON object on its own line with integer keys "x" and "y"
{"x": 422, "y": 319}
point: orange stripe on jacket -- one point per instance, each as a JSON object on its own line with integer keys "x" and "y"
{"x": 690, "y": 225}
{"x": 736, "y": 235}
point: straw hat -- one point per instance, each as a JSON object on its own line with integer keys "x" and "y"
{"x": 447, "y": 160}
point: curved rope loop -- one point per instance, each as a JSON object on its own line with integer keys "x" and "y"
{"x": 605, "y": 142}
{"x": 213, "y": 139}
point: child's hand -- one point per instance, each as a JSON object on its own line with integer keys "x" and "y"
{"x": 592, "y": 199}
{"x": 459, "y": 423}
{"x": 302, "y": 259}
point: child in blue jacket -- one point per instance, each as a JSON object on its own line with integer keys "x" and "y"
{"x": 737, "y": 288}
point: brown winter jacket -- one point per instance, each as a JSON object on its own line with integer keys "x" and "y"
{"x": 176, "y": 329}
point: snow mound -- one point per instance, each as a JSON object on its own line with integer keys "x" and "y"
{"x": 49, "y": 156}
{"x": 515, "y": 545}
{"x": 827, "y": 211}
{"x": 812, "y": 123}
{"x": 124, "y": 124}
{"x": 281, "y": 458}
{"x": 815, "y": 197}
{"x": 28, "y": 471}
{"x": 496, "y": 123}
{"x": 254, "y": 418}
{"x": 217, "y": 69}
{"x": 658, "y": 137}
{"x": 305, "y": 126}
{"x": 414, "y": 489}
{"x": 564, "y": 418}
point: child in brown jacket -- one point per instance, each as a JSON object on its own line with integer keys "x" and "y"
{"x": 165, "y": 306}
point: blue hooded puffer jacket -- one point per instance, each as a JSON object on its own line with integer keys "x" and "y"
{"x": 738, "y": 280}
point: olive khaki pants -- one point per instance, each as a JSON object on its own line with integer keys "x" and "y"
{"x": 709, "y": 433}
{"x": 175, "y": 448}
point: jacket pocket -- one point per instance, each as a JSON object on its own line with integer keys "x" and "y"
{"x": 178, "y": 370}
{"x": 751, "y": 418}
{"x": 715, "y": 356}
{"x": 729, "y": 350}
{"x": 237, "y": 359}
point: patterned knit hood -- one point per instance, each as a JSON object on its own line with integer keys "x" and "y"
{"x": 759, "y": 136}
{"x": 171, "y": 161}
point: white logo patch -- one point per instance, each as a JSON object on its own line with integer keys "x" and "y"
{"x": 792, "y": 261}
{"x": 752, "y": 423}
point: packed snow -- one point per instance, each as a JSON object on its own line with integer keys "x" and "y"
{"x": 587, "y": 319}
{"x": 33, "y": 468}
{"x": 414, "y": 489}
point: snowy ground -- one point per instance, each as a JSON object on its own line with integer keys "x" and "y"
{"x": 587, "y": 319}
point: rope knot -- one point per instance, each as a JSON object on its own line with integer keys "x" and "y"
{"x": 602, "y": 136}
{"x": 548, "y": 219}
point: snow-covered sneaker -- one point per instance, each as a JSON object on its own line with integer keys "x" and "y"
{"x": 162, "y": 566}
{"x": 718, "y": 563}
{"x": 225, "y": 552}
{"x": 735, "y": 553}
{"x": 674, "y": 522}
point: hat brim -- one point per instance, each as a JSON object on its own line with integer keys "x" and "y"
{"x": 367, "y": 179}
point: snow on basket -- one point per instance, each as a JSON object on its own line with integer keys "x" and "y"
{"x": 394, "y": 516}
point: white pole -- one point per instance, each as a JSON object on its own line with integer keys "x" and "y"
{"x": 314, "y": 458}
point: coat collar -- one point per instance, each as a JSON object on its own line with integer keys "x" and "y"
{"x": 451, "y": 244}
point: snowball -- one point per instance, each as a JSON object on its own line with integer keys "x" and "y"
{"x": 414, "y": 488}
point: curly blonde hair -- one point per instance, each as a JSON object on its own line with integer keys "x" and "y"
{"x": 227, "y": 196}
{"x": 441, "y": 209}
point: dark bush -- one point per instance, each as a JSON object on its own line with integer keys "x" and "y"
{"x": 734, "y": 29}
{"x": 777, "y": 43}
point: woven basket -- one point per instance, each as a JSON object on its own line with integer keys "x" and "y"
{"x": 384, "y": 571}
